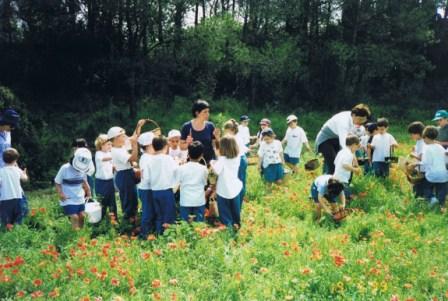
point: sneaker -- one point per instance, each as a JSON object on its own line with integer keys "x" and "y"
{"x": 434, "y": 201}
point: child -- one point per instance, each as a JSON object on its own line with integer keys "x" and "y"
{"x": 346, "y": 163}
{"x": 243, "y": 130}
{"x": 295, "y": 137}
{"x": 228, "y": 186}
{"x": 324, "y": 191}
{"x": 104, "y": 177}
{"x": 383, "y": 144}
{"x": 231, "y": 128}
{"x": 144, "y": 187}
{"x": 436, "y": 173}
{"x": 175, "y": 151}
{"x": 264, "y": 124}
{"x": 72, "y": 186}
{"x": 11, "y": 191}
{"x": 192, "y": 178}
{"x": 162, "y": 177}
{"x": 366, "y": 145}
{"x": 78, "y": 143}
{"x": 415, "y": 129}
{"x": 271, "y": 158}
{"x": 123, "y": 162}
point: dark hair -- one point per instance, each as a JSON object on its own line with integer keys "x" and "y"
{"x": 382, "y": 122}
{"x": 228, "y": 147}
{"x": 371, "y": 127}
{"x": 231, "y": 125}
{"x": 334, "y": 188}
{"x": 268, "y": 132}
{"x": 416, "y": 127}
{"x": 10, "y": 155}
{"x": 351, "y": 140}
{"x": 79, "y": 142}
{"x": 195, "y": 150}
{"x": 198, "y": 106}
{"x": 430, "y": 132}
{"x": 158, "y": 143}
{"x": 361, "y": 110}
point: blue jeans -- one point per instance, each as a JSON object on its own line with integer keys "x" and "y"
{"x": 381, "y": 169}
{"x": 91, "y": 182}
{"x": 23, "y": 208}
{"x": 439, "y": 190}
{"x": 198, "y": 212}
{"x": 165, "y": 208}
{"x": 125, "y": 182}
{"x": 242, "y": 174}
{"x": 148, "y": 222}
{"x": 105, "y": 192}
{"x": 229, "y": 211}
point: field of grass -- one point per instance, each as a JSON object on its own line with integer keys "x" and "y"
{"x": 394, "y": 248}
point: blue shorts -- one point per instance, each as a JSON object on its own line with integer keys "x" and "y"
{"x": 9, "y": 212}
{"x": 73, "y": 209}
{"x": 291, "y": 160}
{"x": 273, "y": 172}
{"x": 315, "y": 195}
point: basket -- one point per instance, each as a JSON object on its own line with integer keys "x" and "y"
{"x": 252, "y": 160}
{"x": 157, "y": 131}
{"x": 93, "y": 211}
{"x": 413, "y": 175}
{"x": 312, "y": 164}
{"x": 341, "y": 214}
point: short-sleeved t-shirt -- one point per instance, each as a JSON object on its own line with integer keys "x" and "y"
{"x": 104, "y": 169}
{"x": 433, "y": 160}
{"x": 295, "y": 138}
{"x": 145, "y": 167}
{"x": 10, "y": 183}
{"x": 120, "y": 158}
{"x": 162, "y": 173}
{"x": 382, "y": 144}
{"x": 443, "y": 134}
{"x": 270, "y": 153}
{"x": 5, "y": 142}
{"x": 344, "y": 157}
{"x": 192, "y": 178}
{"x": 228, "y": 185}
{"x": 71, "y": 181}
{"x": 205, "y": 136}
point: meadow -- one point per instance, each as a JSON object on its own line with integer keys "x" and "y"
{"x": 393, "y": 248}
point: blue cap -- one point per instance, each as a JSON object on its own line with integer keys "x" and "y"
{"x": 244, "y": 118}
{"x": 440, "y": 114}
{"x": 10, "y": 117}
{"x": 267, "y": 132}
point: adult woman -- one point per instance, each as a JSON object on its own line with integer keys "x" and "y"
{"x": 332, "y": 135}
{"x": 200, "y": 129}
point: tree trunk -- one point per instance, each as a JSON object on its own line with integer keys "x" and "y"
{"x": 160, "y": 20}
{"x": 196, "y": 13}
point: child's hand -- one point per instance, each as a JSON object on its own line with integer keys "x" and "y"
{"x": 357, "y": 170}
{"x": 141, "y": 122}
{"x": 62, "y": 197}
{"x": 217, "y": 133}
{"x": 133, "y": 139}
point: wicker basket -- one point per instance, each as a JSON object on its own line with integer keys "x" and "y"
{"x": 414, "y": 175}
{"x": 157, "y": 131}
{"x": 252, "y": 160}
{"x": 312, "y": 164}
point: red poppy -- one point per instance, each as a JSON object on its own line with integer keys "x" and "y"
{"x": 115, "y": 282}
{"x": 37, "y": 294}
{"x": 20, "y": 294}
{"x": 156, "y": 283}
{"x": 37, "y": 282}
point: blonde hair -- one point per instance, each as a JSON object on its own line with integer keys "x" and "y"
{"x": 231, "y": 125}
{"x": 228, "y": 147}
{"x": 100, "y": 141}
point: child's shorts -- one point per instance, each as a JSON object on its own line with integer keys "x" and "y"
{"x": 9, "y": 211}
{"x": 273, "y": 172}
{"x": 73, "y": 209}
{"x": 291, "y": 160}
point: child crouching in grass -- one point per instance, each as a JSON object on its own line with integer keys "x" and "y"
{"x": 72, "y": 186}
{"x": 271, "y": 158}
{"x": 324, "y": 191}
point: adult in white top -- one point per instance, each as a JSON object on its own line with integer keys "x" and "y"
{"x": 331, "y": 137}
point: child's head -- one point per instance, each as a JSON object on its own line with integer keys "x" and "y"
{"x": 117, "y": 136}
{"x": 174, "y": 139}
{"x": 228, "y": 147}
{"x": 102, "y": 143}
{"x": 79, "y": 142}
{"x": 244, "y": 120}
{"x": 195, "y": 151}
{"x": 292, "y": 121}
{"x": 264, "y": 123}
{"x": 159, "y": 143}
{"x": 9, "y": 120}
{"x": 231, "y": 127}
{"x": 383, "y": 125}
{"x": 441, "y": 117}
{"x": 430, "y": 134}
{"x": 268, "y": 135}
{"x": 81, "y": 160}
{"x": 145, "y": 140}
{"x": 334, "y": 188}
{"x": 372, "y": 128}
{"x": 10, "y": 155}
{"x": 416, "y": 130}
{"x": 352, "y": 142}
{"x": 360, "y": 114}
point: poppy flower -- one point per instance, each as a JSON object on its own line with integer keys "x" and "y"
{"x": 115, "y": 282}
{"x": 37, "y": 282}
{"x": 156, "y": 283}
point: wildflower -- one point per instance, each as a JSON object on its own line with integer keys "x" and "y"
{"x": 37, "y": 294}
{"x": 20, "y": 294}
{"x": 115, "y": 282}
{"x": 37, "y": 282}
{"x": 156, "y": 283}
{"x": 173, "y": 281}
{"x": 408, "y": 285}
{"x": 54, "y": 293}
{"x": 264, "y": 270}
{"x": 306, "y": 271}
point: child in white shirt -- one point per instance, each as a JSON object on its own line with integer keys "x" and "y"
{"x": 294, "y": 138}
{"x": 228, "y": 186}
{"x": 175, "y": 151}
{"x": 366, "y": 146}
{"x": 162, "y": 176}
{"x": 436, "y": 173}
{"x": 72, "y": 186}
{"x": 383, "y": 145}
{"x": 415, "y": 129}
{"x": 11, "y": 191}
{"x": 271, "y": 157}
{"x": 243, "y": 130}
{"x": 346, "y": 163}
{"x": 104, "y": 177}
{"x": 325, "y": 191}
{"x": 192, "y": 178}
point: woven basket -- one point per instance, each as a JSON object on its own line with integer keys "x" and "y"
{"x": 252, "y": 160}
{"x": 312, "y": 164}
{"x": 414, "y": 175}
{"x": 157, "y": 130}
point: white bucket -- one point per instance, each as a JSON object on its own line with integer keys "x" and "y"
{"x": 93, "y": 211}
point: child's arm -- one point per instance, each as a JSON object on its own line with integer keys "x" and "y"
{"x": 369, "y": 152}
{"x": 24, "y": 175}
{"x": 138, "y": 127}
{"x": 325, "y": 204}
{"x": 61, "y": 194}
{"x": 86, "y": 187}
{"x": 351, "y": 168}
{"x": 343, "y": 200}
{"x": 134, "y": 152}
{"x": 282, "y": 157}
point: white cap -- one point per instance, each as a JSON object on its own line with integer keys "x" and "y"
{"x": 145, "y": 139}
{"x": 82, "y": 159}
{"x": 291, "y": 118}
{"x": 173, "y": 133}
{"x": 115, "y": 131}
